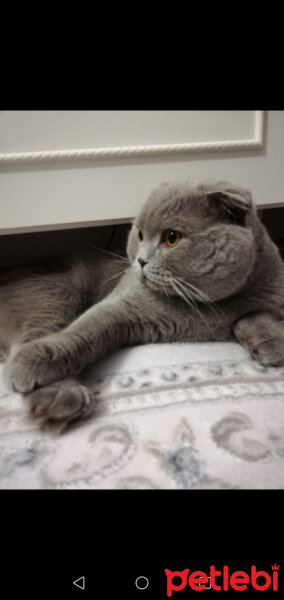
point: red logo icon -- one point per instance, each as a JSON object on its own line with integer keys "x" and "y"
{"x": 237, "y": 580}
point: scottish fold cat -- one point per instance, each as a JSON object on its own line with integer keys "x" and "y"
{"x": 200, "y": 266}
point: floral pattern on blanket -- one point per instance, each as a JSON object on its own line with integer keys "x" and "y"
{"x": 193, "y": 426}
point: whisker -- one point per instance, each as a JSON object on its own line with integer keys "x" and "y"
{"x": 184, "y": 297}
{"x": 201, "y": 294}
{"x": 123, "y": 258}
{"x": 187, "y": 299}
{"x": 192, "y": 300}
{"x": 165, "y": 291}
{"x": 113, "y": 276}
{"x": 187, "y": 293}
{"x": 94, "y": 260}
{"x": 202, "y": 297}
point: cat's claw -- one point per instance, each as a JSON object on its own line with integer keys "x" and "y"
{"x": 33, "y": 365}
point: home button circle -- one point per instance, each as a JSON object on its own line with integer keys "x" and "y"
{"x": 142, "y": 583}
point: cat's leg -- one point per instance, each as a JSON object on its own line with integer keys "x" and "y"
{"x": 54, "y": 406}
{"x": 263, "y": 335}
{"x": 122, "y": 319}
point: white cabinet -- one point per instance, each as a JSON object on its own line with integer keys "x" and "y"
{"x": 76, "y": 169}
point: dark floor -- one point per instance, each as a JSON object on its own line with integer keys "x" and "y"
{"x": 273, "y": 219}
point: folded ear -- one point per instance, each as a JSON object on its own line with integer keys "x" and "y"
{"x": 234, "y": 202}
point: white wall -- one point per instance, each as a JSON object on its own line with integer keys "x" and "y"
{"x": 48, "y": 194}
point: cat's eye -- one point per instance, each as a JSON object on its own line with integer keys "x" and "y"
{"x": 140, "y": 235}
{"x": 171, "y": 238}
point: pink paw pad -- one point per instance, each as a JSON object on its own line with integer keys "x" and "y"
{"x": 39, "y": 409}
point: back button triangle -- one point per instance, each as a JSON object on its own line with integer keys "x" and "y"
{"x": 80, "y": 583}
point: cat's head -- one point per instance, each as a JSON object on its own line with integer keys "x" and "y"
{"x": 194, "y": 240}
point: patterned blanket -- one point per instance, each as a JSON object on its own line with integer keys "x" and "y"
{"x": 174, "y": 416}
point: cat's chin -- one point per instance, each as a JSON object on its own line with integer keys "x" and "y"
{"x": 151, "y": 285}
{"x": 154, "y": 286}
{"x": 159, "y": 287}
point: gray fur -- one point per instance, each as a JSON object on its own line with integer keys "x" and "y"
{"x": 223, "y": 280}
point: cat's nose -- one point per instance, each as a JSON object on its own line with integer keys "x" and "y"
{"x": 142, "y": 262}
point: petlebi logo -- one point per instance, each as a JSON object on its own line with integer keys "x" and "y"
{"x": 222, "y": 580}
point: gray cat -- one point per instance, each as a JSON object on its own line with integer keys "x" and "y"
{"x": 200, "y": 266}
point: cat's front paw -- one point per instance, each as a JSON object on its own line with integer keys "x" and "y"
{"x": 269, "y": 353}
{"x": 263, "y": 337}
{"x": 33, "y": 365}
{"x": 57, "y": 405}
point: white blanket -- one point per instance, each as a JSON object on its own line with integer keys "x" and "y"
{"x": 175, "y": 416}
